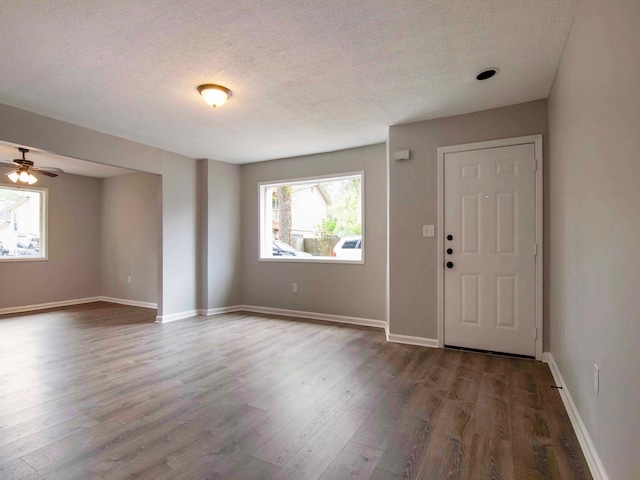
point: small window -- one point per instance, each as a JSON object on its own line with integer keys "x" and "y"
{"x": 313, "y": 219}
{"x": 22, "y": 223}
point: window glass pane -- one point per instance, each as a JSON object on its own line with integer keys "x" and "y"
{"x": 317, "y": 219}
{"x": 21, "y": 225}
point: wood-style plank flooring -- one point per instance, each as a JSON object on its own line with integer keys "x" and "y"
{"x": 99, "y": 391}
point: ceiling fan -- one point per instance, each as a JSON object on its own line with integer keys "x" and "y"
{"x": 23, "y": 169}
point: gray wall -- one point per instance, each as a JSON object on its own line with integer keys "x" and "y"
{"x": 178, "y": 275}
{"x": 413, "y": 202}
{"x": 350, "y": 290}
{"x": 130, "y": 231}
{"x": 178, "y": 281}
{"x": 72, "y": 270}
{"x": 220, "y": 234}
{"x": 594, "y": 226}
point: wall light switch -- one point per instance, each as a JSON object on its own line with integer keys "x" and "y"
{"x": 428, "y": 231}
{"x": 294, "y": 288}
{"x": 129, "y": 279}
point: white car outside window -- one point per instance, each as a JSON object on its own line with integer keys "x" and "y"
{"x": 349, "y": 248}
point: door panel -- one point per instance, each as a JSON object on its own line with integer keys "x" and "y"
{"x": 470, "y": 299}
{"x": 506, "y": 222}
{"x": 506, "y": 300}
{"x": 489, "y": 205}
{"x": 470, "y": 223}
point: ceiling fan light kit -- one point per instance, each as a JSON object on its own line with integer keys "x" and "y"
{"x": 23, "y": 176}
{"x": 23, "y": 167}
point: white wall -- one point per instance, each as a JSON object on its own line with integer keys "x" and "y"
{"x": 413, "y": 202}
{"x": 73, "y": 246}
{"x": 130, "y": 237}
{"x": 594, "y": 226}
{"x": 348, "y": 290}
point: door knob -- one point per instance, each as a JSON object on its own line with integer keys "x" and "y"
{"x": 449, "y": 251}
{"x": 449, "y": 264}
{"x": 449, "y": 237}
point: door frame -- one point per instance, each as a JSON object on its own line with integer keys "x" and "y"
{"x": 536, "y": 140}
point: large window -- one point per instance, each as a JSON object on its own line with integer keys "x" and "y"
{"x": 22, "y": 223}
{"x": 313, "y": 219}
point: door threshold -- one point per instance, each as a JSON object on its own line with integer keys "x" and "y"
{"x": 490, "y": 352}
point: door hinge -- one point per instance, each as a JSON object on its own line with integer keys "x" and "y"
{"x": 535, "y": 333}
{"x": 535, "y": 164}
{"x": 535, "y": 249}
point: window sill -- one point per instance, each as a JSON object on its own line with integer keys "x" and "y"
{"x": 22, "y": 259}
{"x": 312, "y": 260}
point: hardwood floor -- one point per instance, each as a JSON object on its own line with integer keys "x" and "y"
{"x": 99, "y": 391}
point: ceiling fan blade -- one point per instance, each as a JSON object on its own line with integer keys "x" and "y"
{"x": 9, "y": 173}
{"x": 48, "y": 174}
{"x": 48, "y": 169}
{"x": 7, "y": 164}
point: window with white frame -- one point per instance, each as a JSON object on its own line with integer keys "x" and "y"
{"x": 317, "y": 219}
{"x": 22, "y": 223}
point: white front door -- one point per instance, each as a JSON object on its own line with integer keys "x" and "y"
{"x": 490, "y": 248}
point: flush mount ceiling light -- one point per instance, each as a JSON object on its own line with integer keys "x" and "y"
{"x": 214, "y": 95}
{"x": 486, "y": 74}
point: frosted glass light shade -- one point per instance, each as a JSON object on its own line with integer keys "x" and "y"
{"x": 22, "y": 176}
{"x": 214, "y": 95}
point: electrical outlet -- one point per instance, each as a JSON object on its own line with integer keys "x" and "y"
{"x": 129, "y": 279}
{"x": 294, "y": 288}
{"x": 596, "y": 378}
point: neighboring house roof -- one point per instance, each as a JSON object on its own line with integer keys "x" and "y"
{"x": 5, "y": 212}
{"x": 13, "y": 206}
{"x": 320, "y": 188}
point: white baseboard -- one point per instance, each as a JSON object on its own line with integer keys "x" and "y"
{"x": 272, "y": 311}
{"x": 176, "y": 316}
{"x": 367, "y": 322}
{"x": 425, "y": 342}
{"x": 217, "y": 311}
{"x": 43, "y": 306}
{"x": 76, "y": 301}
{"x": 588, "y": 448}
{"x": 409, "y": 340}
{"x": 132, "y": 303}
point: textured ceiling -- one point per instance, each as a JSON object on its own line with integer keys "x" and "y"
{"x": 307, "y": 76}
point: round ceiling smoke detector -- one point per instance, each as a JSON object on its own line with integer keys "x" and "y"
{"x": 486, "y": 73}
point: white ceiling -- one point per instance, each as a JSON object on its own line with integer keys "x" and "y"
{"x": 307, "y": 76}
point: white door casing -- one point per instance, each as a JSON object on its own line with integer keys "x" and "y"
{"x": 489, "y": 203}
